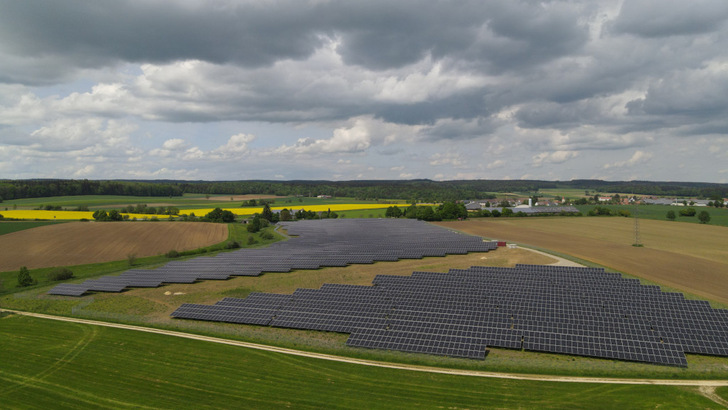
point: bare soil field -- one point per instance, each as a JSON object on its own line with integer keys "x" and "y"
{"x": 689, "y": 257}
{"x": 78, "y": 243}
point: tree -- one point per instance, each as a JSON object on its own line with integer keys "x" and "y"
{"x": 114, "y": 215}
{"x": 393, "y": 212}
{"x": 101, "y": 215}
{"x": 255, "y": 224}
{"x": 671, "y": 215}
{"x": 704, "y": 217}
{"x": 268, "y": 215}
{"x": 285, "y": 214}
{"x": 24, "y": 278}
{"x": 688, "y": 212}
{"x": 411, "y": 212}
{"x": 507, "y": 212}
{"x": 449, "y": 210}
{"x": 218, "y": 215}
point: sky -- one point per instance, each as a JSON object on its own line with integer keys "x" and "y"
{"x": 350, "y": 90}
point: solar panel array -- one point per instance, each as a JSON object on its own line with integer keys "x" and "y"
{"x": 318, "y": 243}
{"x": 576, "y": 311}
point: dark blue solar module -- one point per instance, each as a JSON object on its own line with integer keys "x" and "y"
{"x": 569, "y": 310}
{"x": 316, "y": 243}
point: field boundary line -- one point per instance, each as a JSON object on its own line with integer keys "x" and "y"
{"x": 374, "y": 363}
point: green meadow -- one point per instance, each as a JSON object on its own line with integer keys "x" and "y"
{"x": 55, "y": 364}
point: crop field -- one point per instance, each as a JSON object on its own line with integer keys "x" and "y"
{"x": 15, "y": 226}
{"x": 718, "y": 216}
{"x": 52, "y": 364}
{"x": 184, "y": 202}
{"x": 294, "y": 207}
{"x": 76, "y": 243}
{"x": 689, "y": 257}
{"x": 37, "y": 214}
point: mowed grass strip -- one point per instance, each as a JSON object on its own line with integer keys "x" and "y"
{"x": 15, "y": 226}
{"x": 56, "y": 364}
{"x": 689, "y": 257}
{"x": 77, "y": 243}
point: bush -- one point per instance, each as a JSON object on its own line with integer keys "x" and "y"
{"x": 704, "y": 217}
{"x": 267, "y": 235}
{"x": 24, "y": 278}
{"x": 232, "y": 245}
{"x": 172, "y": 254}
{"x": 688, "y": 212}
{"x": 252, "y": 241}
{"x": 60, "y": 274}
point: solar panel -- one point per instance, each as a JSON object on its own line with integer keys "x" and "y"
{"x": 318, "y": 243}
{"x": 567, "y": 310}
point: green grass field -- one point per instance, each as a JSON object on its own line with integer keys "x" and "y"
{"x": 718, "y": 216}
{"x": 15, "y": 226}
{"x": 62, "y": 365}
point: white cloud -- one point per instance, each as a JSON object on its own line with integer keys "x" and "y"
{"x": 448, "y": 158}
{"x": 236, "y": 147}
{"x": 638, "y": 158}
{"x": 556, "y": 157}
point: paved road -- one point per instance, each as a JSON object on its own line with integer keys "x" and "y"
{"x": 707, "y": 387}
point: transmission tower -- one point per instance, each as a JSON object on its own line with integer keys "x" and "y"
{"x": 636, "y": 226}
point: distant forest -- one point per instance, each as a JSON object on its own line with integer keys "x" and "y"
{"x": 422, "y": 190}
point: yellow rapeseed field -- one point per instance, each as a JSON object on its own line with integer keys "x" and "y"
{"x": 77, "y": 215}
{"x": 63, "y": 215}
{"x": 293, "y": 208}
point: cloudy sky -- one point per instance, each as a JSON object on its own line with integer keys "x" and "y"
{"x": 339, "y": 90}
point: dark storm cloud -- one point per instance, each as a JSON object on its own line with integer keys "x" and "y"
{"x": 663, "y": 18}
{"x": 373, "y": 34}
{"x": 103, "y": 32}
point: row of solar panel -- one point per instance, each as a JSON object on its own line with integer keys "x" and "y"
{"x": 320, "y": 245}
{"x": 629, "y": 331}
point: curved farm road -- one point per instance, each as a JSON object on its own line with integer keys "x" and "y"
{"x": 707, "y": 387}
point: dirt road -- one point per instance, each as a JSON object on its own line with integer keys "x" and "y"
{"x": 707, "y": 385}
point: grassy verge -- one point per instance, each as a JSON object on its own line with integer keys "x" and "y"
{"x": 364, "y": 213}
{"x": 54, "y": 364}
{"x": 15, "y": 226}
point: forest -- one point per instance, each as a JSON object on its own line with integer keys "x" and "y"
{"x": 421, "y": 190}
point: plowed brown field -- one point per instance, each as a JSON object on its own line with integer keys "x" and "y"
{"x": 78, "y": 243}
{"x": 689, "y": 257}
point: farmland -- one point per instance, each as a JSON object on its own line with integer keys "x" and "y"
{"x": 53, "y": 364}
{"x": 718, "y": 216}
{"x": 76, "y": 243}
{"x": 605, "y": 241}
{"x": 199, "y": 205}
{"x": 688, "y": 257}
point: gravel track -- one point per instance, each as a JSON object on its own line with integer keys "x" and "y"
{"x": 707, "y": 386}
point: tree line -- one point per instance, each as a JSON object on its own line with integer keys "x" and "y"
{"x": 420, "y": 190}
